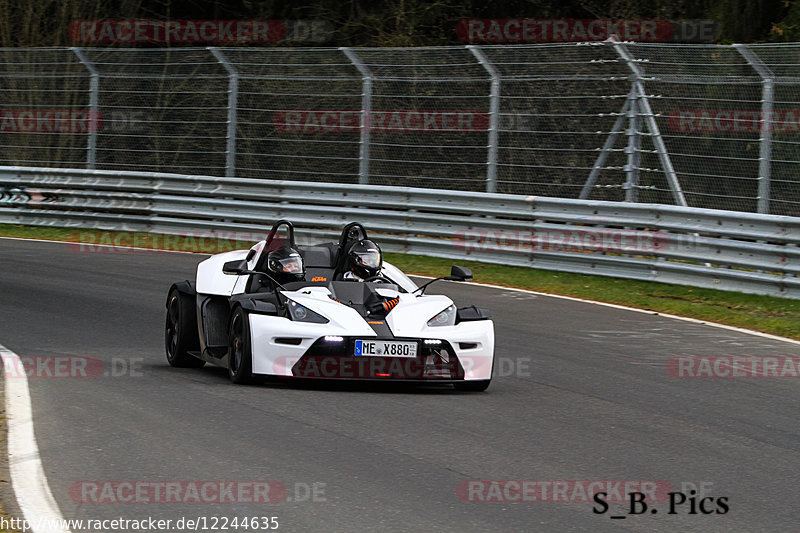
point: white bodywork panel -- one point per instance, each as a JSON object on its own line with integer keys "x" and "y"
{"x": 211, "y": 280}
{"x": 411, "y": 315}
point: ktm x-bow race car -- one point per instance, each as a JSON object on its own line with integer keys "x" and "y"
{"x": 334, "y": 310}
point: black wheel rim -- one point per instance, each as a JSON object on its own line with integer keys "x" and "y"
{"x": 172, "y": 327}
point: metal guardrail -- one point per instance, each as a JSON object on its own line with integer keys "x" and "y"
{"x": 727, "y": 250}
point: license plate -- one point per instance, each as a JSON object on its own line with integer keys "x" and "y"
{"x": 386, "y": 348}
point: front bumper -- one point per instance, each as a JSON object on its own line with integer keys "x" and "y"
{"x": 334, "y": 360}
{"x": 293, "y": 349}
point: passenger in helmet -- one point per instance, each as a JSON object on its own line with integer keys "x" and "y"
{"x": 364, "y": 260}
{"x": 285, "y": 265}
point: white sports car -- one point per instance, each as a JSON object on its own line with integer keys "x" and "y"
{"x": 281, "y": 310}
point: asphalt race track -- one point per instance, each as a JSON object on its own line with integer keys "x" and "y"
{"x": 581, "y": 392}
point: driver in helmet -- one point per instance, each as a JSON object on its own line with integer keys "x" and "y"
{"x": 364, "y": 260}
{"x": 285, "y": 265}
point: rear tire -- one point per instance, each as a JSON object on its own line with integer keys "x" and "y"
{"x": 180, "y": 331}
{"x": 240, "y": 355}
{"x": 473, "y": 386}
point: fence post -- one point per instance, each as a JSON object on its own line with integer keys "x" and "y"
{"x": 366, "y": 113}
{"x": 605, "y": 150}
{"x": 494, "y": 117}
{"x": 94, "y": 108}
{"x": 649, "y": 118}
{"x": 765, "y": 143}
{"x": 233, "y": 97}
{"x": 634, "y": 151}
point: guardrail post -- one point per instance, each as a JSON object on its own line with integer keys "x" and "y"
{"x": 494, "y": 117}
{"x": 366, "y": 113}
{"x": 650, "y": 121}
{"x": 233, "y": 97}
{"x": 94, "y": 109}
{"x": 765, "y": 143}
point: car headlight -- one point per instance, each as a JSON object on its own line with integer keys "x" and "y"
{"x": 301, "y": 313}
{"x": 445, "y": 318}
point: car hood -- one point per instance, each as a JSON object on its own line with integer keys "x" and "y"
{"x": 408, "y": 318}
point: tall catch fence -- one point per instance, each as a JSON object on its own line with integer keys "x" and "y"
{"x": 706, "y": 126}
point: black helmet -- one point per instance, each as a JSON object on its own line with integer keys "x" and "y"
{"x": 364, "y": 258}
{"x": 285, "y": 265}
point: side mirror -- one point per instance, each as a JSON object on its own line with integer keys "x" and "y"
{"x": 235, "y": 267}
{"x": 458, "y": 273}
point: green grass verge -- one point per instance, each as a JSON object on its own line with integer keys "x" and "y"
{"x": 768, "y": 314}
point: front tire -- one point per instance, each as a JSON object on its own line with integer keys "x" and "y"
{"x": 180, "y": 332}
{"x": 240, "y": 354}
{"x": 473, "y": 386}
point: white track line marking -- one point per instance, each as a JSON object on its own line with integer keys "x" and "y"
{"x": 28, "y": 479}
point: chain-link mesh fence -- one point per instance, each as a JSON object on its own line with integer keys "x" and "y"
{"x": 700, "y": 125}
